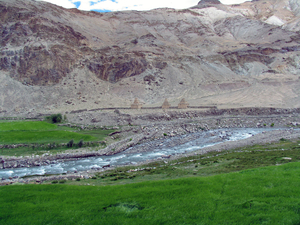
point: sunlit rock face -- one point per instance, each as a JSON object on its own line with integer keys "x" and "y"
{"x": 245, "y": 54}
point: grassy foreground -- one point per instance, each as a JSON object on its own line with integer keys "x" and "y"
{"x": 216, "y": 188}
{"x": 269, "y": 195}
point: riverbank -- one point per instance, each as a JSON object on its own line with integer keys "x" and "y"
{"x": 137, "y": 134}
{"x": 142, "y": 138}
{"x": 264, "y": 137}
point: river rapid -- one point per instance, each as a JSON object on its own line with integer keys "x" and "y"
{"x": 157, "y": 149}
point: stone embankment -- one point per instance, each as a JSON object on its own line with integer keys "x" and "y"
{"x": 142, "y": 118}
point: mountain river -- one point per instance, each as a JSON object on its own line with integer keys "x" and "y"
{"x": 159, "y": 148}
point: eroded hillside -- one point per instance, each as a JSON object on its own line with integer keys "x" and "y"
{"x": 56, "y": 59}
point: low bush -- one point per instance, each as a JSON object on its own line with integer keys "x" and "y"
{"x": 70, "y": 143}
{"x": 80, "y": 143}
{"x": 55, "y": 118}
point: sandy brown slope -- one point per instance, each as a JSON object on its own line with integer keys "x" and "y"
{"x": 56, "y": 60}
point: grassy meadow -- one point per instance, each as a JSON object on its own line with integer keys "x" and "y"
{"x": 49, "y": 136}
{"x": 42, "y": 133}
{"x": 256, "y": 184}
{"x": 26, "y": 126}
{"x": 268, "y": 195}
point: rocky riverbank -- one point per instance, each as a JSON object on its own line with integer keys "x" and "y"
{"x": 180, "y": 130}
{"x": 264, "y": 137}
{"x": 158, "y": 131}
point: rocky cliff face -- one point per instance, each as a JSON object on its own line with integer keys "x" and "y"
{"x": 56, "y": 59}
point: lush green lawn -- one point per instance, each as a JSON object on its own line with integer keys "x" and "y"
{"x": 57, "y": 136}
{"x": 25, "y": 132}
{"x": 269, "y": 195}
{"x": 16, "y": 137}
{"x": 26, "y": 126}
{"x": 40, "y": 132}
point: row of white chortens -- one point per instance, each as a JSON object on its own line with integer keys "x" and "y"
{"x": 182, "y": 104}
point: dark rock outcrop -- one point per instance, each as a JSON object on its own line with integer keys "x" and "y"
{"x": 114, "y": 68}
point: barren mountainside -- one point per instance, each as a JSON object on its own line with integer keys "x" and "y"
{"x": 56, "y": 60}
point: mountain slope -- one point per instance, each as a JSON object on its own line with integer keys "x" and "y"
{"x": 56, "y": 59}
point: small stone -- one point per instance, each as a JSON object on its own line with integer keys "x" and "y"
{"x": 287, "y": 158}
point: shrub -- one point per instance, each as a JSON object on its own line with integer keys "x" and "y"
{"x": 52, "y": 145}
{"x": 62, "y": 181}
{"x": 55, "y": 118}
{"x": 70, "y": 144}
{"x": 54, "y": 182}
{"x": 80, "y": 143}
{"x": 78, "y": 179}
{"x": 165, "y": 134}
{"x": 272, "y": 125}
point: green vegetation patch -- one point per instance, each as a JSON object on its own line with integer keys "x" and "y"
{"x": 25, "y": 132}
{"x": 17, "y": 137}
{"x": 26, "y": 126}
{"x": 54, "y": 118}
{"x": 268, "y": 195}
{"x": 42, "y": 136}
{"x": 98, "y": 133}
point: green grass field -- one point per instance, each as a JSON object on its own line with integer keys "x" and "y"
{"x": 57, "y": 136}
{"x": 26, "y": 126}
{"x": 269, "y": 195}
{"x": 40, "y": 132}
{"x": 251, "y": 185}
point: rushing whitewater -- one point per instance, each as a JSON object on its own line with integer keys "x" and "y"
{"x": 164, "y": 147}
